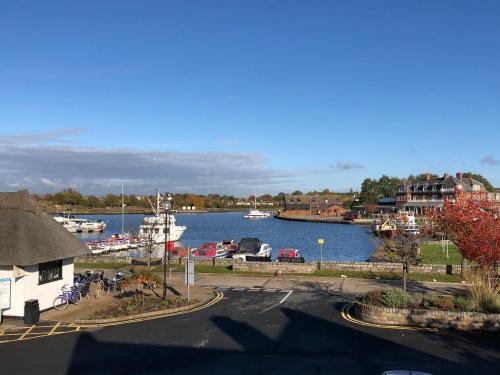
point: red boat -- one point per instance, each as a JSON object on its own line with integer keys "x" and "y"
{"x": 290, "y": 256}
{"x": 210, "y": 249}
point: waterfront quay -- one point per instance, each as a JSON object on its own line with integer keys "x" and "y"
{"x": 323, "y": 219}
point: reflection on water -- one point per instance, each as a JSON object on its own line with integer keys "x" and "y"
{"x": 342, "y": 242}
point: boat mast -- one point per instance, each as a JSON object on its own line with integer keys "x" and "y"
{"x": 157, "y": 203}
{"x": 123, "y": 207}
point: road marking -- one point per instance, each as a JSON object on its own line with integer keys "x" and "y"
{"x": 285, "y": 297}
{"x": 270, "y": 290}
{"x": 54, "y": 328}
{"x": 27, "y": 331}
{"x": 239, "y": 289}
{"x": 345, "y": 314}
{"x": 254, "y": 289}
{"x": 221, "y": 288}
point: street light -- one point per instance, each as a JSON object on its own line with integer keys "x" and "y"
{"x": 167, "y": 204}
{"x": 321, "y": 241}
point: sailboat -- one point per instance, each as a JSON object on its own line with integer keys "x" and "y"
{"x": 255, "y": 213}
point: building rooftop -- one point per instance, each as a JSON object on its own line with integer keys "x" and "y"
{"x": 28, "y": 235}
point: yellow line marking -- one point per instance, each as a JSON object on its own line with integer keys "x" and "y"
{"x": 25, "y": 333}
{"x": 78, "y": 328}
{"x": 138, "y": 320}
{"x": 345, "y": 314}
{"x": 54, "y": 328}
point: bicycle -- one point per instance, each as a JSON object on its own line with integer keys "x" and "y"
{"x": 72, "y": 295}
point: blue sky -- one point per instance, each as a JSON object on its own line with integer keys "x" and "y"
{"x": 237, "y": 97}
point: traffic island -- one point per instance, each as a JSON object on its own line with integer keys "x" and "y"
{"x": 393, "y": 307}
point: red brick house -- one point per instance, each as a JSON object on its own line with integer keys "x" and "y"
{"x": 430, "y": 193}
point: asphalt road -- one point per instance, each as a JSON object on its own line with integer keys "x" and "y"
{"x": 252, "y": 332}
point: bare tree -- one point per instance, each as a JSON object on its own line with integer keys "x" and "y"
{"x": 149, "y": 242}
{"x": 403, "y": 248}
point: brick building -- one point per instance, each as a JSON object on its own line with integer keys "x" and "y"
{"x": 430, "y": 193}
{"x": 313, "y": 205}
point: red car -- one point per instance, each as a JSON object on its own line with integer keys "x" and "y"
{"x": 350, "y": 216}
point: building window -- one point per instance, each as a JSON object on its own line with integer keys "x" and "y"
{"x": 49, "y": 271}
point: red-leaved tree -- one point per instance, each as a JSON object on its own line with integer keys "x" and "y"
{"x": 475, "y": 231}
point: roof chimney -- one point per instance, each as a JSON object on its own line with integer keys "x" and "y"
{"x": 446, "y": 175}
{"x": 428, "y": 177}
{"x": 459, "y": 176}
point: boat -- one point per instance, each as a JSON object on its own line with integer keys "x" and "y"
{"x": 387, "y": 228}
{"x": 153, "y": 227}
{"x": 252, "y": 247}
{"x": 406, "y": 220}
{"x": 230, "y": 246}
{"x": 210, "y": 249}
{"x": 255, "y": 213}
{"x": 79, "y": 225}
{"x": 290, "y": 256}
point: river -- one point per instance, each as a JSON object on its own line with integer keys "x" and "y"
{"x": 342, "y": 242}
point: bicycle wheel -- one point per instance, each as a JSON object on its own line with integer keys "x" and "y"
{"x": 60, "y": 303}
{"x": 77, "y": 297}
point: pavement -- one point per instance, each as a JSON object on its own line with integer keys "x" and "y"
{"x": 256, "y": 331}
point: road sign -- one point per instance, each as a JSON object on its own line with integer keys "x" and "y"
{"x": 321, "y": 241}
{"x": 189, "y": 271}
{"x": 5, "y": 293}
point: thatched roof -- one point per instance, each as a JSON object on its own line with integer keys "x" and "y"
{"x": 28, "y": 235}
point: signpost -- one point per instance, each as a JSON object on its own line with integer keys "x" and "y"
{"x": 189, "y": 272}
{"x": 4, "y": 295}
{"x": 321, "y": 241}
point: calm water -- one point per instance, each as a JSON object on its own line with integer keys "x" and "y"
{"x": 342, "y": 242}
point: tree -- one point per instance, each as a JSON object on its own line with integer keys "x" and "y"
{"x": 112, "y": 200}
{"x": 476, "y": 232}
{"x": 481, "y": 179}
{"x": 297, "y": 192}
{"x": 68, "y": 196}
{"x": 369, "y": 191}
{"x": 93, "y": 201}
{"x": 403, "y": 248}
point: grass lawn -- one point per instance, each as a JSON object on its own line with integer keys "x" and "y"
{"x": 433, "y": 254}
{"x": 387, "y": 275}
{"x": 101, "y": 266}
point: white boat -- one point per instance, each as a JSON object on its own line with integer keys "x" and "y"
{"x": 69, "y": 225}
{"x": 153, "y": 227}
{"x": 407, "y": 220}
{"x": 255, "y": 213}
{"x": 210, "y": 249}
{"x": 252, "y": 247}
{"x": 79, "y": 225}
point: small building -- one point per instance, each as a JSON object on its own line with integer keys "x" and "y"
{"x": 313, "y": 205}
{"x": 36, "y": 254}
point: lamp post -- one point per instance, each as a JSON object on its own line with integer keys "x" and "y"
{"x": 167, "y": 205}
{"x": 321, "y": 241}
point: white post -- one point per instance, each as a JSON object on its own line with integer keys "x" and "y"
{"x": 189, "y": 261}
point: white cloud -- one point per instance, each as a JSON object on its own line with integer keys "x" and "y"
{"x": 489, "y": 160}
{"x": 346, "y": 166}
{"x": 95, "y": 170}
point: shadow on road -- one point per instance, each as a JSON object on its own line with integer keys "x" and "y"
{"x": 307, "y": 344}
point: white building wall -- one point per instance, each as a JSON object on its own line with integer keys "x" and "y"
{"x": 26, "y": 287}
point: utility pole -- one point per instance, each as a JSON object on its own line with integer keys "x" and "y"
{"x": 167, "y": 204}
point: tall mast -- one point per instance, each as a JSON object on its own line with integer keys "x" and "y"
{"x": 123, "y": 208}
{"x": 157, "y": 202}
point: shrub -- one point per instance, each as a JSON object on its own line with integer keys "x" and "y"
{"x": 462, "y": 302}
{"x": 484, "y": 293}
{"x": 393, "y": 297}
{"x": 373, "y": 298}
{"x": 441, "y": 303}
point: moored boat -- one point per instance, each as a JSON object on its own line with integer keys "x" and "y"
{"x": 210, "y": 249}
{"x": 252, "y": 248}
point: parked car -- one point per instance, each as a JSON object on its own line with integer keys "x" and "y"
{"x": 350, "y": 216}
